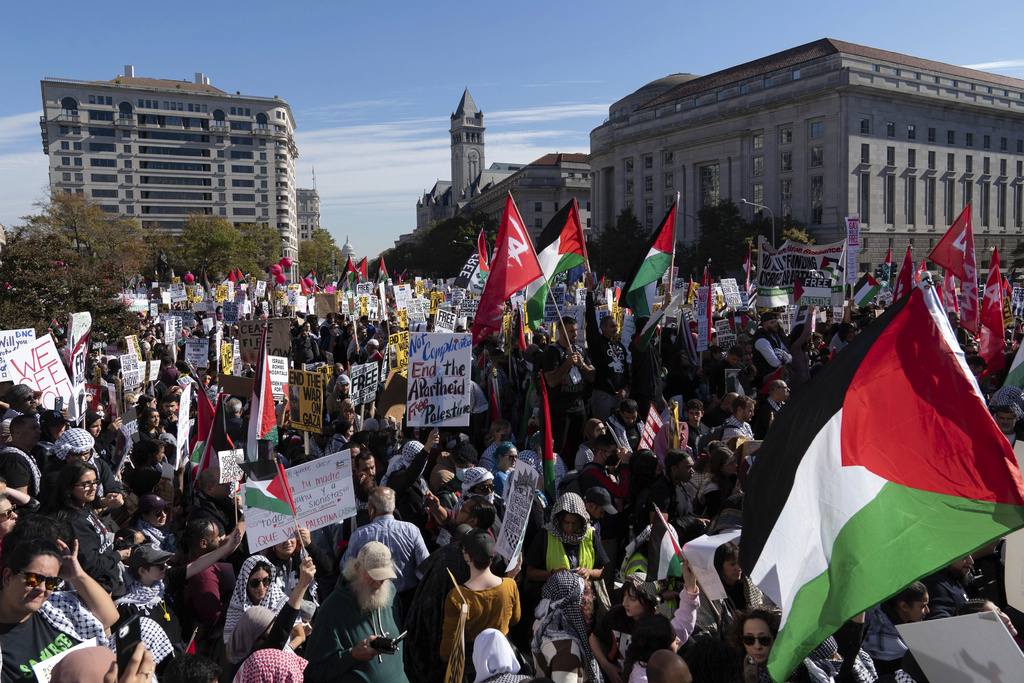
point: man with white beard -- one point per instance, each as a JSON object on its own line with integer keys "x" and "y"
{"x": 362, "y": 607}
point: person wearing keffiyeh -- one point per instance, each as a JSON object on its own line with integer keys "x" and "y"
{"x": 570, "y": 544}
{"x": 474, "y": 482}
{"x": 560, "y": 632}
{"x": 264, "y": 591}
{"x": 77, "y": 445}
{"x": 272, "y": 666}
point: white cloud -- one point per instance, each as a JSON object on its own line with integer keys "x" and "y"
{"x": 23, "y": 166}
{"x": 18, "y": 127}
{"x": 1011, "y": 64}
{"x": 551, "y": 113}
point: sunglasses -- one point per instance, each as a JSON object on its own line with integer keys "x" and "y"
{"x": 32, "y": 580}
{"x": 7, "y": 514}
{"x": 484, "y": 488}
{"x": 256, "y": 583}
{"x": 766, "y": 641}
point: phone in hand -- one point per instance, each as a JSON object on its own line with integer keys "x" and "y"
{"x": 387, "y": 646}
{"x": 127, "y": 635}
{"x": 58, "y": 403}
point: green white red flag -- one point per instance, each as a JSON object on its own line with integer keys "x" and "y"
{"x": 642, "y": 284}
{"x": 272, "y": 495}
{"x": 560, "y": 247}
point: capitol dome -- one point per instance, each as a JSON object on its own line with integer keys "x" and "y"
{"x": 347, "y": 250}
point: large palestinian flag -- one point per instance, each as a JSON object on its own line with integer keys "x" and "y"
{"x": 884, "y": 469}
{"x": 560, "y": 247}
{"x": 641, "y": 285}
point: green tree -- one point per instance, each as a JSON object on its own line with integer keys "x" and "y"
{"x": 724, "y": 236}
{"x": 442, "y": 248}
{"x": 208, "y": 242}
{"x": 259, "y": 247}
{"x": 618, "y": 247}
{"x": 320, "y": 254}
{"x": 45, "y": 278}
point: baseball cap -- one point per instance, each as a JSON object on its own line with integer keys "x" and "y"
{"x": 768, "y": 316}
{"x": 150, "y": 502}
{"x": 147, "y": 555}
{"x": 343, "y": 379}
{"x": 478, "y": 543}
{"x": 375, "y": 558}
{"x": 51, "y": 418}
{"x": 600, "y": 497}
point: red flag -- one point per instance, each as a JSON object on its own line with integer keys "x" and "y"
{"x": 955, "y": 252}
{"x": 262, "y": 418}
{"x": 949, "y": 293}
{"x": 231, "y": 275}
{"x": 993, "y": 338}
{"x": 514, "y": 266}
{"x": 1007, "y": 290}
{"x": 205, "y": 415}
{"x": 191, "y": 649}
{"x": 921, "y": 270}
{"x": 704, "y": 280}
{"x": 522, "y": 334}
{"x": 362, "y": 270}
{"x": 774, "y": 376}
{"x": 905, "y": 280}
{"x": 547, "y": 445}
{"x": 279, "y": 488}
{"x": 481, "y": 247}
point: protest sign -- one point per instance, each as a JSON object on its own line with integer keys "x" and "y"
{"x": 261, "y": 288}
{"x": 778, "y": 269}
{"x": 457, "y": 662}
{"x": 306, "y": 400}
{"x": 225, "y": 357}
{"x": 553, "y": 308}
{"x": 702, "y": 318}
{"x": 197, "y": 352}
{"x": 852, "y": 247}
{"x": 444, "y": 321}
{"x": 235, "y": 386}
{"x": 11, "y": 341}
{"x": 399, "y": 350}
{"x": 436, "y": 299}
{"x": 364, "y": 380}
{"x": 184, "y": 426}
{"x": 1016, "y": 301}
{"x": 178, "y": 294}
{"x": 38, "y": 365}
{"x": 326, "y": 303}
{"x": 323, "y": 494}
{"x": 652, "y": 425}
{"x": 230, "y": 312}
{"x": 43, "y": 670}
{"x": 131, "y": 373}
{"x": 439, "y": 372}
{"x": 364, "y": 289}
{"x": 518, "y": 495}
{"x": 468, "y": 307}
{"x": 230, "y": 471}
{"x": 813, "y": 290}
{"x": 278, "y": 376}
{"x": 726, "y": 337}
{"x": 974, "y": 648}
{"x": 1013, "y": 561}
{"x": 701, "y": 554}
{"x": 731, "y": 292}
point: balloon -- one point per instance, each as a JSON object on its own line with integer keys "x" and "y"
{"x": 190, "y": 278}
{"x": 275, "y": 269}
{"x": 308, "y": 282}
{"x": 281, "y": 279}
{"x": 286, "y": 262}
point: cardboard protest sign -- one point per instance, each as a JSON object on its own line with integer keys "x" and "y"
{"x": 11, "y": 341}
{"x": 701, "y": 554}
{"x": 229, "y": 465}
{"x": 974, "y": 648}
{"x": 249, "y": 332}
{"x": 235, "y": 386}
{"x": 439, "y": 374}
{"x": 326, "y": 303}
{"x": 131, "y": 372}
{"x": 323, "y": 494}
{"x": 444, "y": 321}
{"x": 778, "y": 269}
{"x": 197, "y": 352}
{"x": 392, "y": 400}
{"x": 518, "y": 495}
{"x": 306, "y": 400}
{"x": 399, "y": 350}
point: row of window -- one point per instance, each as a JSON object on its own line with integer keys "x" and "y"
{"x": 69, "y": 105}
{"x": 966, "y": 192}
{"x": 986, "y": 162}
{"x": 158, "y": 180}
{"x": 951, "y": 136}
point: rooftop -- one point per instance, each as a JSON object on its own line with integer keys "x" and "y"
{"x": 162, "y": 83}
{"x": 467, "y": 107}
{"x": 559, "y": 158}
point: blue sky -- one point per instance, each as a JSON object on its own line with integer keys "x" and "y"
{"x": 372, "y": 84}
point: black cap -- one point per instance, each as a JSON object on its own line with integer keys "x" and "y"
{"x": 768, "y": 316}
{"x": 148, "y": 555}
{"x": 600, "y": 497}
{"x": 51, "y": 418}
{"x": 478, "y": 543}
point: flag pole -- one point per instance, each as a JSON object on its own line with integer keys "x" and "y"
{"x": 672, "y": 262}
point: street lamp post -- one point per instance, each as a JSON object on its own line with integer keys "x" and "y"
{"x": 770, "y": 213}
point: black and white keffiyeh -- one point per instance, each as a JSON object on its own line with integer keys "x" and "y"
{"x": 566, "y": 503}
{"x": 36, "y": 475}
{"x": 142, "y": 596}
{"x": 73, "y": 441}
{"x": 274, "y": 599}
{"x": 401, "y": 461}
{"x": 472, "y": 477}
{"x": 559, "y": 617}
{"x": 156, "y": 535}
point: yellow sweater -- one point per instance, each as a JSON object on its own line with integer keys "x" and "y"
{"x": 496, "y": 607}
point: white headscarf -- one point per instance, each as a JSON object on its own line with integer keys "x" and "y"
{"x": 492, "y": 655}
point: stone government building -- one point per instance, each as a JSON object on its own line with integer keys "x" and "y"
{"x": 823, "y": 131}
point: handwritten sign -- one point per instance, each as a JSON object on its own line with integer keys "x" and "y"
{"x": 438, "y": 388}
{"x": 11, "y": 341}
{"x": 197, "y": 352}
{"x": 39, "y": 366}
{"x": 518, "y": 495}
{"x": 306, "y": 400}
{"x": 323, "y": 494}
{"x": 230, "y": 471}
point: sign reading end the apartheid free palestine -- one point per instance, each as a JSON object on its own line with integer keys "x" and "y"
{"x": 438, "y": 393}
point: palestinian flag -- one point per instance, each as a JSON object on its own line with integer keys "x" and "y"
{"x": 382, "y": 271}
{"x": 666, "y": 557}
{"x": 262, "y": 418}
{"x": 642, "y": 283}
{"x": 351, "y": 274}
{"x": 272, "y": 495}
{"x": 361, "y": 268}
{"x": 217, "y": 438}
{"x": 886, "y": 468}
{"x": 866, "y": 289}
{"x": 1015, "y": 377}
{"x": 741, "y": 323}
{"x": 560, "y": 248}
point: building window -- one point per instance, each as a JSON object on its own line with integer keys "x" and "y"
{"x": 970, "y": 140}
{"x": 969, "y": 164}
{"x": 1003, "y": 143}
{"x": 950, "y": 162}
{"x": 668, "y": 158}
{"x": 950, "y": 137}
{"x": 986, "y": 142}
{"x": 669, "y": 201}
{"x": 986, "y": 189}
{"x": 929, "y": 201}
{"x": 757, "y": 141}
{"x": 786, "y": 136}
{"x": 538, "y": 223}
{"x": 911, "y": 200}
{"x": 1018, "y": 206}
{"x": 1002, "y": 168}
{"x": 538, "y": 206}
{"x": 757, "y": 191}
{"x": 865, "y": 154}
{"x": 911, "y": 131}
{"x": 668, "y": 181}
{"x": 758, "y": 166}
{"x": 629, "y": 186}
{"x": 648, "y": 162}
{"x": 796, "y": 74}
{"x": 817, "y": 199}
{"x": 786, "y": 195}
{"x": 865, "y": 197}
{"x": 968, "y": 192}
{"x": 1020, "y": 168}
{"x": 986, "y": 165}
{"x": 890, "y": 129}
{"x": 931, "y": 135}
{"x": 865, "y": 126}
{"x": 66, "y": 177}
{"x": 648, "y": 183}
{"x": 65, "y": 145}
{"x": 890, "y": 156}
{"x": 786, "y": 162}
{"x": 950, "y": 194}
{"x": 649, "y": 213}
{"x": 1001, "y": 205}
{"x": 890, "y": 199}
{"x": 817, "y": 129}
{"x": 931, "y": 161}
{"x": 709, "y": 185}
{"x": 629, "y": 165}
{"x": 767, "y": 81}
{"x": 817, "y": 156}
{"x": 743, "y": 89}
{"x": 911, "y": 158}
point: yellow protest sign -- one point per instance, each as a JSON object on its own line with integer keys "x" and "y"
{"x": 506, "y": 332}
{"x": 403, "y": 318}
{"x": 221, "y": 294}
{"x": 364, "y": 305}
{"x": 1008, "y": 318}
{"x": 306, "y": 400}
{"x": 175, "y": 280}
{"x": 691, "y": 296}
{"x": 279, "y": 296}
{"x": 226, "y": 358}
{"x": 419, "y": 287}
{"x": 436, "y": 299}
{"x": 399, "y": 343}
{"x": 132, "y": 344}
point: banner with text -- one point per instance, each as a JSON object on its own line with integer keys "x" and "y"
{"x": 439, "y": 374}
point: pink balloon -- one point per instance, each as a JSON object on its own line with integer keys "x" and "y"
{"x": 275, "y": 269}
{"x": 189, "y": 277}
{"x": 286, "y": 262}
{"x": 308, "y": 282}
{"x": 281, "y": 279}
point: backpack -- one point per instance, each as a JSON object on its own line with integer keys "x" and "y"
{"x": 571, "y": 482}
{"x": 715, "y": 434}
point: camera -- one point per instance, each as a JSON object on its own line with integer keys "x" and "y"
{"x": 387, "y": 646}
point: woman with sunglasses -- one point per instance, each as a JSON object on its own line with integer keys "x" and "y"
{"x": 255, "y": 586}
{"x": 35, "y": 621}
{"x": 753, "y": 633}
{"x": 73, "y": 498}
{"x": 506, "y": 455}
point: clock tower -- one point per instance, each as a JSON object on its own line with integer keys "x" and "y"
{"x": 467, "y": 133}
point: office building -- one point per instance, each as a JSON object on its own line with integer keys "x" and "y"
{"x": 308, "y": 208}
